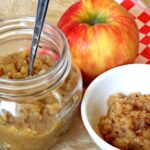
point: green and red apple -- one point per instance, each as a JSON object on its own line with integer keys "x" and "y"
{"x": 101, "y": 35}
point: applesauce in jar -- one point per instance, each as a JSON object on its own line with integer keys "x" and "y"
{"x": 35, "y": 111}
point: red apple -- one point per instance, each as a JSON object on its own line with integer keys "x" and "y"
{"x": 101, "y": 35}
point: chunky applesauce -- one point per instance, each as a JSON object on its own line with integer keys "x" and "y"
{"x": 35, "y": 125}
{"x": 127, "y": 124}
{"x": 15, "y": 66}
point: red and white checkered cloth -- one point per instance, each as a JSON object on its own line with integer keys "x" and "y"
{"x": 142, "y": 18}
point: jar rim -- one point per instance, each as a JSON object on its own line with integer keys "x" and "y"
{"x": 43, "y": 75}
{"x": 14, "y": 89}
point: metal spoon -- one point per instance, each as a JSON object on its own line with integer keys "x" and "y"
{"x": 40, "y": 17}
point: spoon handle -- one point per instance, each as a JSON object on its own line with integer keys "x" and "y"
{"x": 40, "y": 17}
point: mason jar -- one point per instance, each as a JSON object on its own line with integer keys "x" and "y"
{"x": 35, "y": 111}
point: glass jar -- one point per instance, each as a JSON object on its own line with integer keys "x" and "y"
{"x": 36, "y": 111}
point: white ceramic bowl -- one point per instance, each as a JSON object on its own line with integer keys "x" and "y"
{"x": 125, "y": 79}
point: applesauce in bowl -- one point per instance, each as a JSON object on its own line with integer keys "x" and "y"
{"x": 121, "y": 117}
{"x": 35, "y": 111}
{"x": 127, "y": 122}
